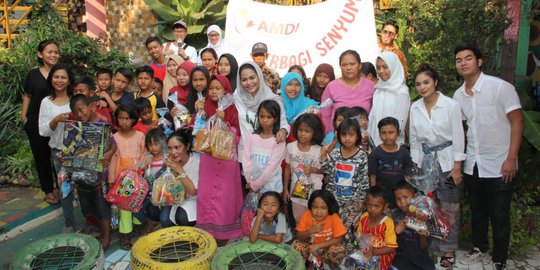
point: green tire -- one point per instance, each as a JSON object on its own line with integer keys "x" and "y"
{"x": 246, "y": 255}
{"x": 61, "y": 251}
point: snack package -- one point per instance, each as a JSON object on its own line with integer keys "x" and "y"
{"x": 357, "y": 261}
{"x": 115, "y": 217}
{"x": 217, "y": 139}
{"x": 129, "y": 191}
{"x": 64, "y": 181}
{"x": 424, "y": 214}
{"x": 315, "y": 109}
{"x": 200, "y": 117}
{"x": 163, "y": 123}
{"x": 89, "y": 178}
{"x": 303, "y": 185}
{"x": 203, "y": 141}
{"x": 182, "y": 118}
{"x": 314, "y": 262}
{"x": 167, "y": 190}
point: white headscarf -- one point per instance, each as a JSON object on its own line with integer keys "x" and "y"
{"x": 391, "y": 98}
{"x": 264, "y": 93}
{"x": 217, "y": 47}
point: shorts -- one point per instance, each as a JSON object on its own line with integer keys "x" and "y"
{"x": 93, "y": 202}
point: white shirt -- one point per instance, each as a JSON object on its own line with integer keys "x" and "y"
{"x": 443, "y": 125}
{"x": 47, "y": 112}
{"x": 190, "y": 51}
{"x": 386, "y": 103}
{"x": 190, "y": 203}
{"x": 488, "y": 135}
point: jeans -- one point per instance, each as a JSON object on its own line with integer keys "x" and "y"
{"x": 67, "y": 202}
{"x": 490, "y": 200}
{"x": 181, "y": 217}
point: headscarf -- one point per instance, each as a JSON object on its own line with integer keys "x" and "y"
{"x": 234, "y": 68}
{"x": 170, "y": 81}
{"x": 187, "y": 66}
{"x": 192, "y": 97}
{"x": 315, "y": 90}
{"x": 264, "y": 93}
{"x": 210, "y": 106}
{"x": 396, "y": 83}
{"x": 218, "y": 46}
{"x": 293, "y": 107}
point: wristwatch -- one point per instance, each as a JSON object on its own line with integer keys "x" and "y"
{"x": 182, "y": 176}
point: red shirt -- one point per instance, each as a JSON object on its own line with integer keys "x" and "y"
{"x": 159, "y": 70}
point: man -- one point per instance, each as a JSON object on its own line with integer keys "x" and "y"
{"x": 179, "y": 46}
{"x": 155, "y": 50}
{"x": 494, "y": 118}
{"x": 259, "y": 54}
{"x": 388, "y": 34}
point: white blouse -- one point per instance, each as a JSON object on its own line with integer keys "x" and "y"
{"x": 443, "y": 125}
{"x": 47, "y": 112}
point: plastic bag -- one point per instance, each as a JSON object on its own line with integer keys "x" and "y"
{"x": 314, "y": 109}
{"x": 357, "y": 261}
{"x": 129, "y": 191}
{"x": 89, "y": 178}
{"x": 314, "y": 261}
{"x": 303, "y": 185}
{"x": 167, "y": 190}
{"x": 115, "y": 217}
{"x": 249, "y": 207}
{"x": 64, "y": 181}
{"x": 216, "y": 138}
{"x": 163, "y": 123}
{"x": 424, "y": 214}
{"x": 200, "y": 117}
{"x": 182, "y": 118}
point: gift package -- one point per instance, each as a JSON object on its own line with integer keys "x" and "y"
{"x": 167, "y": 190}
{"x": 129, "y": 191}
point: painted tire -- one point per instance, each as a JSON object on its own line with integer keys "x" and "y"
{"x": 175, "y": 248}
{"x": 71, "y": 251}
{"x": 243, "y": 254}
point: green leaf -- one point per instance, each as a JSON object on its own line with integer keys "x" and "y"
{"x": 165, "y": 12}
{"x": 532, "y": 128}
{"x": 215, "y": 6}
{"x": 196, "y": 15}
{"x": 196, "y": 29}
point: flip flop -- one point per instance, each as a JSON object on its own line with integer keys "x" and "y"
{"x": 52, "y": 200}
{"x": 447, "y": 262}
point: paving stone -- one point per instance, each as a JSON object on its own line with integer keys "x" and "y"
{"x": 534, "y": 262}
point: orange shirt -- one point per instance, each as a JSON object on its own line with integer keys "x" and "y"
{"x": 382, "y": 235}
{"x": 333, "y": 227}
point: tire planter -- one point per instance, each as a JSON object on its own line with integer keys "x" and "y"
{"x": 61, "y": 251}
{"x": 174, "y": 248}
{"x": 258, "y": 255}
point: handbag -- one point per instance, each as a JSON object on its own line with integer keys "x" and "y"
{"x": 129, "y": 191}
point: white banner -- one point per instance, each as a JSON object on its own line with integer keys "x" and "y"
{"x": 304, "y": 35}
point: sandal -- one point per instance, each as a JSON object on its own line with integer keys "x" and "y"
{"x": 51, "y": 199}
{"x": 447, "y": 262}
{"x": 125, "y": 243}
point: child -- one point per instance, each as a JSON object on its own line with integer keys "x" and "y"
{"x": 119, "y": 94}
{"x": 362, "y": 116}
{"x": 379, "y": 227}
{"x": 298, "y": 69}
{"x": 303, "y": 161}
{"x": 412, "y": 246}
{"x": 220, "y": 191}
{"x": 341, "y": 114}
{"x": 369, "y": 72}
{"x": 155, "y": 50}
{"x": 182, "y": 79}
{"x": 346, "y": 168}
{"x": 324, "y": 73}
{"x": 270, "y": 223}
{"x": 144, "y": 110}
{"x": 86, "y": 86}
{"x": 209, "y": 60}
{"x": 292, "y": 95}
{"x": 198, "y": 88}
{"x": 388, "y": 161}
{"x": 262, "y": 158}
{"x": 145, "y": 78}
{"x": 92, "y": 198}
{"x": 130, "y": 151}
{"x": 320, "y": 229}
{"x": 157, "y": 87}
{"x": 104, "y": 78}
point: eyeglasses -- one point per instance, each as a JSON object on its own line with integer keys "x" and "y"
{"x": 213, "y": 35}
{"x": 388, "y": 33}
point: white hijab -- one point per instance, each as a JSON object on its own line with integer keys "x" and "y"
{"x": 264, "y": 93}
{"x": 218, "y": 46}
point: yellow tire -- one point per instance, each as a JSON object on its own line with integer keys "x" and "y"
{"x": 174, "y": 248}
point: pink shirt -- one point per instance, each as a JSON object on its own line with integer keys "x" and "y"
{"x": 262, "y": 163}
{"x": 344, "y": 96}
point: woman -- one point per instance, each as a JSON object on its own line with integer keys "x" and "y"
{"x": 435, "y": 126}
{"x": 220, "y": 193}
{"x": 173, "y": 62}
{"x": 292, "y": 95}
{"x": 348, "y": 91}
{"x": 228, "y": 67}
{"x": 324, "y": 73}
{"x": 53, "y": 112}
{"x": 391, "y": 96}
{"x": 182, "y": 82}
{"x": 300, "y": 70}
{"x": 184, "y": 165}
{"x": 35, "y": 89}
{"x": 215, "y": 42}
{"x": 248, "y": 96}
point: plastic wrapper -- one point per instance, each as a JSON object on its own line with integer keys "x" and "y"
{"x": 303, "y": 185}
{"x": 129, "y": 191}
{"x": 64, "y": 181}
{"x": 89, "y": 178}
{"x": 357, "y": 261}
{"x": 200, "y": 117}
{"x": 425, "y": 215}
{"x": 315, "y": 109}
{"x": 163, "y": 123}
{"x": 115, "y": 217}
{"x": 421, "y": 179}
{"x": 167, "y": 190}
{"x": 314, "y": 262}
{"x": 217, "y": 139}
{"x": 182, "y": 118}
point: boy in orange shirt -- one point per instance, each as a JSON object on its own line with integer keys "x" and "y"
{"x": 380, "y": 227}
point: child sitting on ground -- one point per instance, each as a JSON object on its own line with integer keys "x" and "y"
{"x": 270, "y": 223}
{"x": 320, "y": 229}
{"x": 379, "y": 227}
{"x": 412, "y": 251}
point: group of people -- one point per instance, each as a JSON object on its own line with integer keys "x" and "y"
{"x": 318, "y": 162}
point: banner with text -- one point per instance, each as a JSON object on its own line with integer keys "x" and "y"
{"x": 304, "y": 35}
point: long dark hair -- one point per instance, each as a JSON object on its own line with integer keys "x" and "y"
{"x": 41, "y": 48}
{"x": 192, "y": 96}
{"x": 71, "y": 80}
{"x": 182, "y": 136}
{"x": 234, "y": 68}
{"x": 272, "y": 107}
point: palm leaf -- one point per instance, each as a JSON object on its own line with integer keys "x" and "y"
{"x": 165, "y": 12}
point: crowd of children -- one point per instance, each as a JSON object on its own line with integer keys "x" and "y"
{"x": 317, "y": 191}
